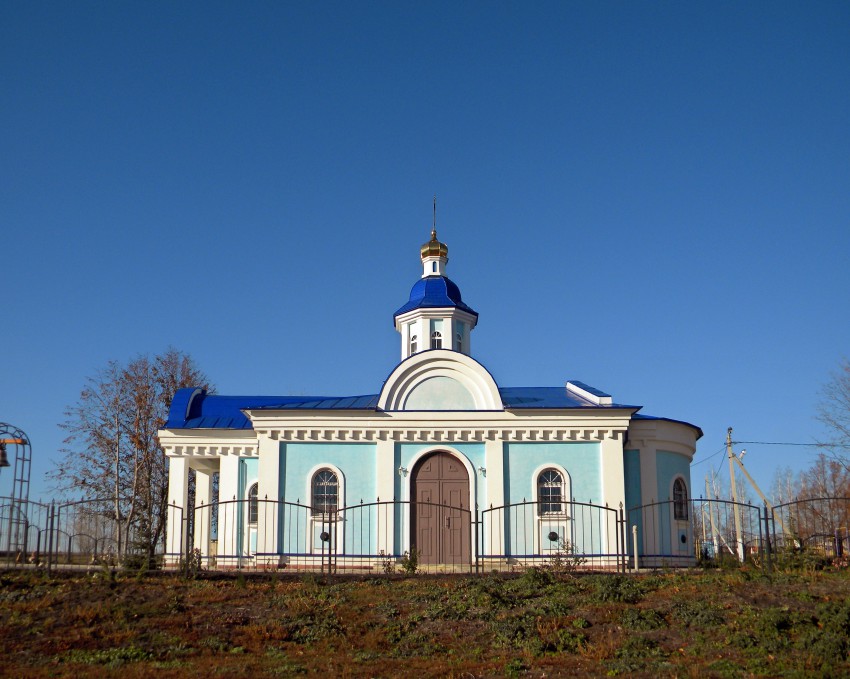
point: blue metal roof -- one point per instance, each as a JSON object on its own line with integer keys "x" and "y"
{"x": 194, "y": 408}
{"x": 516, "y": 398}
{"x": 435, "y": 292}
{"x": 640, "y": 416}
{"x": 367, "y": 402}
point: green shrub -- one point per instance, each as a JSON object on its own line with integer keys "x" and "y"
{"x": 642, "y": 619}
{"x": 618, "y": 588}
{"x": 696, "y": 614}
{"x": 409, "y": 563}
{"x": 111, "y": 657}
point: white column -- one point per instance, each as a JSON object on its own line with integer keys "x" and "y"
{"x": 613, "y": 480}
{"x": 494, "y": 463}
{"x": 178, "y": 501}
{"x": 228, "y": 510}
{"x": 203, "y": 497}
{"x": 423, "y": 325}
{"x": 385, "y": 477}
{"x": 268, "y": 487}
{"x": 405, "y": 340}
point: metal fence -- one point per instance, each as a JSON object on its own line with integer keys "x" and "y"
{"x": 80, "y": 533}
{"x": 398, "y": 536}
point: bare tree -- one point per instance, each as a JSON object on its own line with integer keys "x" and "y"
{"x": 112, "y": 451}
{"x": 834, "y": 409}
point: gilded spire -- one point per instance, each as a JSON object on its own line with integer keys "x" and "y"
{"x": 434, "y": 248}
{"x": 434, "y": 226}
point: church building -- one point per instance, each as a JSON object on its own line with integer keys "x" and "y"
{"x": 442, "y": 462}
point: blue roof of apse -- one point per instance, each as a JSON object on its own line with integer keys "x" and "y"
{"x": 640, "y": 416}
{"x": 435, "y": 292}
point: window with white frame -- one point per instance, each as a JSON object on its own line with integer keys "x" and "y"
{"x": 253, "y": 504}
{"x": 436, "y": 340}
{"x": 550, "y": 492}
{"x": 413, "y": 343}
{"x": 325, "y": 490}
{"x": 680, "y": 500}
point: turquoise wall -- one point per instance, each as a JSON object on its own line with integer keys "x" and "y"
{"x": 247, "y": 472}
{"x": 668, "y": 466}
{"x": 581, "y": 460}
{"x": 297, "y": 533}
{"x": 356, "y": 461}
{"x": 524, "y": 529}
{"x": 631, "y": 464}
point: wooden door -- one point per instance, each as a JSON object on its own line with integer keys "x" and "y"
{"x": 441, "y": 520}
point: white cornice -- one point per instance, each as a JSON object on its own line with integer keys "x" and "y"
{"x": 445, "y": 434}
{"x": 209, "y": 442}
{"x": 436, "y": 312}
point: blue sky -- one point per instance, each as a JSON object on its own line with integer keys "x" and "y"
{"x": 648, "y": 197}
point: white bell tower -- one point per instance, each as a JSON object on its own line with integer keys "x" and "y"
{"x": 435, "y": 316}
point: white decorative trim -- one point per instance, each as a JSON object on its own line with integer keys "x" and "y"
{"x": 568, "y": 482}
{"x": 454, "y": 452}
{"x": 340, "y": 478}
{"x": 562, "y": 521}
{"x": 338, "y": 524}
{"x": 188, "y": 446}
{"x": 440, "y": 362}
{"x": 588, "y": 396}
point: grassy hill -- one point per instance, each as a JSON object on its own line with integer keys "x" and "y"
{"x": 538, "y": 623}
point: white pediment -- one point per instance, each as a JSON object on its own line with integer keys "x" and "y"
{"x": 440, "y": 380}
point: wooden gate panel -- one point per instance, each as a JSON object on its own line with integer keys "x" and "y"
{"x": 441, "y": 533}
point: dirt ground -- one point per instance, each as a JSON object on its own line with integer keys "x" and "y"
{"x": 540, "y": 623}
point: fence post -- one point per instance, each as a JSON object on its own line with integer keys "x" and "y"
{"x": 768, "y": 548}
{"x": 185, "y": 545}
{"x": 635, "y": 546}
{"x": 477, "y": 559}
{"x": 622, "y": 556}
{"x": 51, "y": 517}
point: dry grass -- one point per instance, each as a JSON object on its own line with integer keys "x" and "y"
{"x": 681, "y": 624}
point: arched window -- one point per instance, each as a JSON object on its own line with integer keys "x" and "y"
{"x": 325, "y": 492}
{"x": 436, "y": 340}
{"x": 680, "y": 500}
{"x": 459, "y": 342}
{"x": 413, "y": 341}
{"x": 550, "y": 492}
{"x": 252, "y": 504}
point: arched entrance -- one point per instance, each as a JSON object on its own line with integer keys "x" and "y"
{"x": 441, "y": 519}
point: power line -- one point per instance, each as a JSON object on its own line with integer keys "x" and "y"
{"x": 706, "y": 459}
{"x": 781, "y": 443}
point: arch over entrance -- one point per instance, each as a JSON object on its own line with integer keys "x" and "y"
{"x": 441, "y": 520}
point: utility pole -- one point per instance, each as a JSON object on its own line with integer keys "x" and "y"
{"x": 739, "y": 536}
{"x": 755, "y": 486}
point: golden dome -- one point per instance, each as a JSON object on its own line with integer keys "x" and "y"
{"x": 434, "y": 248}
